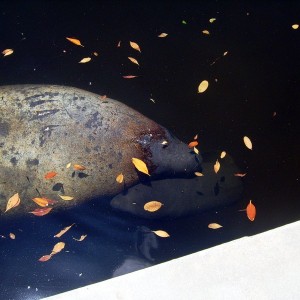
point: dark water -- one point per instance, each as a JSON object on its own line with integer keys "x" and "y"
{"x": 258, "y": 77}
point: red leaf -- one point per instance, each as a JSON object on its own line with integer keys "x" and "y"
{"x": 251, "y": 211}
{"x": 50, "y": 175}
{"x": 41, "y": 211}
{"x": 45, "y": 257}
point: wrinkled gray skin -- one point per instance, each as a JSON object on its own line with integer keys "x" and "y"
{"x": 185, "y": 196}
{"x": 45, "y": 127}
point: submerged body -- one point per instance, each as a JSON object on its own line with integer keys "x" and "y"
{"x": 43, "y": 128}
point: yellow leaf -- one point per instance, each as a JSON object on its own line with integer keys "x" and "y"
{"x": 140, "y": 165}
{"x": 57, "y": 248}
{"x": 247, "y": 142}
{"x": 12, "y": 236}
{"x": 120, "y": 178}
{"x": 66, "y": 198}
{"x": 212, "y": 20}
{"x": 214, "y": 226}
{"x": 205, "y": 32}
{"x": 198, "y": 174}
{"x": 133, "y": 60}
{"x": 135, "y": 46}
{"x": 68, "y": 165}
{"x": 63, "y": 231}
{"x": 223, "y": 154}
{"x": 75, "y": 41}
{"x": 81, "y": 238}
{"x": 153, "y": 206}
{"x": 7, "y": 52}
{"x": 217, "y": 166}
{"x": 295, "y": 26}
{"x": 203, "y": 86}
{"x": 196, "y": 150}
{"x": 161, "y": 233}
{"x": 85, "y": 60}
{"x": 163, "y": 34}
{"x": 13, "y": 202}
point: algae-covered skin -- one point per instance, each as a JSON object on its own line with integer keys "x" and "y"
{"x": 43, "y": 128}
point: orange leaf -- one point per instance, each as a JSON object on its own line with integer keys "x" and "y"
{"x": 251, "y": 211}
{"x": 13, "y": 202}
{"x": 57, "y": 248}
{"x": 193, "y": 144}
{"x": 214, "y": 226}
{"x": 41, "y": 211}
{"x": 217, "y": 166}
{"x": 7, "y": 52}
{"x": 152, "y": 206}
{"x": 135, "y": 46}
{"x": 79, "y": 167}
{"x": 75, "y": 41}
{"x": 43, "y": 201}
{"x": 161, "y": 233}
{"x": 50, "y": 175}
{"x": 133, "y": 60}
{"x": 120, "y": 178}
{"x": 45, "y": 257}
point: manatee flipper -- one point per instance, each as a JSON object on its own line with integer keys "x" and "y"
{"x": 185, "y": 196}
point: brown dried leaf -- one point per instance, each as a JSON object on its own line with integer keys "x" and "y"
{"x": 135, "y": 46}
{"x": 57, "y": 248}
{"x": 81, "y": 238}
{"x": 63, "y": 231}
{"x": 247, "y": 142}
{"x": 41, "y": 211}
{"x": 75, "y": 41}
{"x": 217, "y": 166}
{"x": 140, "y": 165}
{"x": 12, "y": 202}
{"x": 133, "y": 60}
{"x": 161, "y": 233}
{"x": 214, "y": 226}
{"x": 152, "y": 206}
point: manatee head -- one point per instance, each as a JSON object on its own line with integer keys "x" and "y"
{"x": 166, "y": 156}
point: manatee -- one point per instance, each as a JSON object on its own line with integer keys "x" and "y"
{"x": 46, "y": 128}
{"x": 180, "y": 196}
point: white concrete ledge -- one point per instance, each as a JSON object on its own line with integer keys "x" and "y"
{"x": 264, "y": 266}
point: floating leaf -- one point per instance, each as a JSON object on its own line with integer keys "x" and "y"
{"x": 66, "y": 198}
{"x": 152, "y": 100}
{"x": 79, "y": 167}
{"x": 57, "y": 248}
{"x": 251, "y": 211}
{"x": 223, "y": 154}
{"x": 120, "y": 178}
{"x": 41, "y": 211}
{"x": 133, "y": 60}
{"x": 225, "y": 53}
{"x": 193, "y": 144}
{"x": 217, "y": 166}
{"x": 196, "y": 137}
{"x": 7, "y": 52}
{"x": 63, "y": 231}
{"x": 161, "y": 233}
{"x": 199, "y": 174}
{"x": 162, "y": 35}
{"x": 196, "y": 150}
{"x": 295, "y": 26}
{"x": 95, "y": 53}
{"x": 135, "y": 46}
{"x": 50, "y": 175}
{"x": 153, "y": 206}
{"x": 164, "y": 142}
{"x": 214, "y": 226}
{"x": 75, "y": 41}
{"x": 140, "y": 165}
{"x": 240, "y": 174}
{"x": 183, "y": 22}
{"x": 85, "y": 60}
{"x": 203, "y": 86}
{"x": 247, "y": 142}
{"x": 81, "y": 238}
{"x": 212, "y": 20}
{"x": 129, "y": 76}
{"x": 68, "y": 165}
{"x": 12, "y": 236}
{"x": 119, "y": 44}
{"x": 41, "y": 201}
{"x": 205, "y": 31}
{"x": 12, "y": 202}
{"x": 45, "y": 257}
